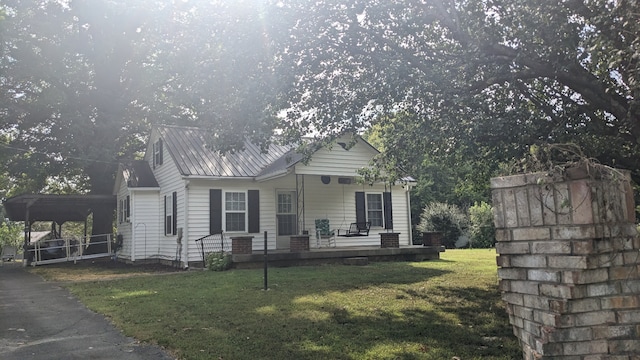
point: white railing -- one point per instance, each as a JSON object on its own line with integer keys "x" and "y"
{"x": 69, "y": 249}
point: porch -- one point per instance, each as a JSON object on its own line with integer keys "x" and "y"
{"x": 354, "y": 255}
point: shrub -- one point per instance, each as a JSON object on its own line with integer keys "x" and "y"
{"x": 10, "y": 234}
{"x": 218, "y": 261}
{"x": 444, "y": 218}
{"x": 482, "y": 229}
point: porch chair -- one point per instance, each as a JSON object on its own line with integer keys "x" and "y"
{"x": 323, "y": 231}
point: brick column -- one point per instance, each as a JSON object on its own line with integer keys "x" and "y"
{"x": 569, "y": 265}
{"x": 299, "y": 243}
{"x": 242, "y": 245}
{"x": 390, "y": 240}
{"x": 431, "y": 238}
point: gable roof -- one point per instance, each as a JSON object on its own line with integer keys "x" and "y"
{"x": 188, "y": 149}
{"x": 138, "y": 173}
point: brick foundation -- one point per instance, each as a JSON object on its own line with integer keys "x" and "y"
{"x": 389, "y": 240}
{"x": 569, "y": 266}
{"x": 299, "y": 243}
{"x": 242, "y": 245}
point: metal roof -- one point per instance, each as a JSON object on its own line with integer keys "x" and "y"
{"x": 188, "y": 148}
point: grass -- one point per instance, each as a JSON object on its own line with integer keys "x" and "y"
{"x": 422, "y": 310}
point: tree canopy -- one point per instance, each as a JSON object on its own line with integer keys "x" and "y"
{"x": 480, "y": 79}
{"x": 449, "y": 84}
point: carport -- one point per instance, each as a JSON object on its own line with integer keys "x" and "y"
{"x": 58, "y": 209}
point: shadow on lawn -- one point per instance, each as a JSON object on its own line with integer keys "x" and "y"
{"x": 428, "y": 323}
{"x": 413, "y": 333}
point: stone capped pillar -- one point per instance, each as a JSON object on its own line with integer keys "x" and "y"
{"x": 299, "y": 243}
{"x": 242, "y": 245}
{"x": 389, "y": 240}
{"x": 569, "y": 264}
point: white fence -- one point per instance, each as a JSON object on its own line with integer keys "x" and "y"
{"x": 71, "y": 249}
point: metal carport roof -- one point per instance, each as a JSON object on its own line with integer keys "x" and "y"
{"x": 58, "y": 208}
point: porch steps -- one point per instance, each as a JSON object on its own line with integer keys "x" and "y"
{"x": 359, "y": 261}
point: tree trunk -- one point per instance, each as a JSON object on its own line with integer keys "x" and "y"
{"x": 101, "y": 178}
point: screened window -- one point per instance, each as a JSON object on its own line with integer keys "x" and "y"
{"x": 235, "y": 209}
{"x": 375, "y": 212}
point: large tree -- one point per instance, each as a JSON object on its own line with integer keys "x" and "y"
{"x": 82, "y": 81}
{"x": 481, "y": 78}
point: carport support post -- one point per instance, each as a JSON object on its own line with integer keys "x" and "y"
{"x": 27, "y": 235}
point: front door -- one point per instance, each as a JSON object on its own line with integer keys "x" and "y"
{"x": 286, "y": 218}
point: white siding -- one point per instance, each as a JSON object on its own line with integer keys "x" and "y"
{"x": 144, "y": 223}
{"x": 338, "y": 161}
{"x": 334, "y": 201}
{"x": 123, "y": 228}
{"x": 198, "y": 212}
{"x": 169, "y": 180}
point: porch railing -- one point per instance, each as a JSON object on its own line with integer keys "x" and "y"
{"x": 211, "y": 243}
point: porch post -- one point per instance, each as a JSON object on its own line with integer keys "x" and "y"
{"x": 300, "y": 203}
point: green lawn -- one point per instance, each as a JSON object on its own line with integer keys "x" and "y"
{"x": 424, "y": 310}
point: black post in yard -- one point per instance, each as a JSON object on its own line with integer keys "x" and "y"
{"x": 265, "y": 261}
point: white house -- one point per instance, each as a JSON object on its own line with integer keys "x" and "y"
{"x": 183, "y": 191}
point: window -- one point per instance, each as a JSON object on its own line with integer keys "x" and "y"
{"x": 170, "y": 214}
{"x": 157, "y": 153}
{"x": 235, "y": 211}
{"x": 375, "y": 208}
{"x": 123, "y": 213}
{"x": 375, "y": 212}
{"x": 246, "y": 214}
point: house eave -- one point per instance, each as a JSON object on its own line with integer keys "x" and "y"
{"x": 206, "y": 177}
{"x": 143, "y": 188}
{"x": 273, "y": 175}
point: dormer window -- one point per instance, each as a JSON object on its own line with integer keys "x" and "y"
{"x": 157, "y": 153}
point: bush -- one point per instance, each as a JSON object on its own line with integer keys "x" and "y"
{"x": 11, "y": 234}
{"x": 444, "y": 218}
{"x": 482, "y": 229}
{"x": 218, "y": 261}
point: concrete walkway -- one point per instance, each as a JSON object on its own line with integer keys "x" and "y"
{"x": 41, "y": 320}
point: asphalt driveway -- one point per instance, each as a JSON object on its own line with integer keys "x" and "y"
{"x": 42, "y": 320}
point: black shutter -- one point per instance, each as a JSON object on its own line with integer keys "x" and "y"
{"x": 153, "y": 155}
{"x": 164, "y": 214}
{"x": 254, "y": 211}
{"x": 160, "y": 152}
{"x": 388, "y": 212}
{"x": 127, "y": 208}
{"x": 215, "y": 211}
{"x": 175, "y": 213}
{"x": 361, "y": 211}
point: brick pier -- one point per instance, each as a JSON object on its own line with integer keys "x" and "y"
{"x": 569, "y": 265}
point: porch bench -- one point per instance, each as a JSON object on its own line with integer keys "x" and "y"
{"x": 356, "y": 229}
